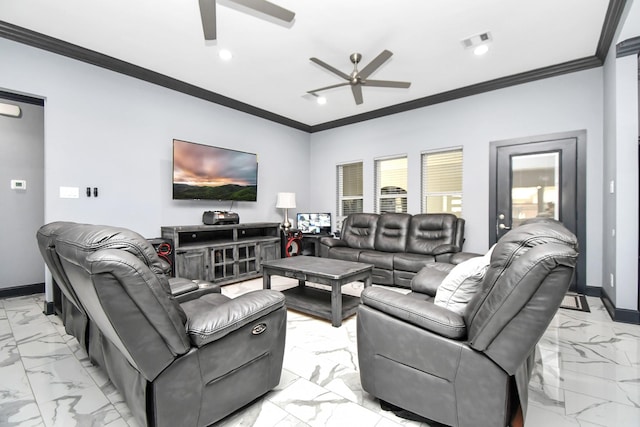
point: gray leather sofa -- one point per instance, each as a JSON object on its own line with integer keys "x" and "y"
{"x": 74, "y": 318}
{"x": 189, "y": 363}
{"x": 398, "y": 245}
{"x": 469, "y": 369}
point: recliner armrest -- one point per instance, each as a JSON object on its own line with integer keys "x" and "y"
{"x": 331, "y": 242}
{"x": 423, "y": 314}
{"x": 208, "y": 325}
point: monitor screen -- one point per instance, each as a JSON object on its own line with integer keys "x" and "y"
{"x": 314, "y": 223}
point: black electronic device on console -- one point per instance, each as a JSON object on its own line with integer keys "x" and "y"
{"x": 220, "y": 217}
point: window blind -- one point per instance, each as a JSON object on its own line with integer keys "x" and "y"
{"x": 349, "y": 191}
{"x": 442, "y": 182}
{"x": 391, "y": 185}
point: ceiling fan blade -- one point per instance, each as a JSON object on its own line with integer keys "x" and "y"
{"x": 208, "y": 16}
{"x": 267, "y": 8}
{"x": 357, "y": 93}
{"x": 386, "y": 83}
{"x": 313, "y": 92}
{"x": 375, "y": 64}
{"x": 330, "y": 68}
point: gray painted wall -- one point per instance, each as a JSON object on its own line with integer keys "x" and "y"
{"x": 566, "y": 103}
{"x": 110, "y": 131}
{"x": 22, "y": 211}
{"x": 620, "y": 165}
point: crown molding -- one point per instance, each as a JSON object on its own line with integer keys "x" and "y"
{"x": 41, "y": 41}
{"x": 628, "y": 47}
{"x": 609, "y": 26}
{"x": 50, "y": 44}
{"x": 476, "y": 89}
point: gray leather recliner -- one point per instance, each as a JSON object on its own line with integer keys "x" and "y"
{"x": 187, "y": 364}
{"x": 471, "y": 369}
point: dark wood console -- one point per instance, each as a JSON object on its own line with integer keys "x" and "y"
{"x": 223, "y": 254}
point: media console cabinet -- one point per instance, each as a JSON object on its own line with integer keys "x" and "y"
{"x": 223, "y": 254}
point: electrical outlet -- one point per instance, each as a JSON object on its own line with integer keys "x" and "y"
{"x": 611, "y": 280}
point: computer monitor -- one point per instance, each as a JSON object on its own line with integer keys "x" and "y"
{"x": 314, "y": 223}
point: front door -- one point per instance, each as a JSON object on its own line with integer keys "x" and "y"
{"x": 537, "y": 177}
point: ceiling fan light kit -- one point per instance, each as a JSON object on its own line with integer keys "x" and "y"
{"x": 357, "y": 79}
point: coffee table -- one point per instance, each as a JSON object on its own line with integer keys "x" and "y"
{"x": 330, "y": 305}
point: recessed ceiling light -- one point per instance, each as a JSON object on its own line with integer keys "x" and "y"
{"x": 481, "y": 50}
{"x": 479, "y": 43}
{"x": 321, "y": 100}
{"x": 225, "y": 55}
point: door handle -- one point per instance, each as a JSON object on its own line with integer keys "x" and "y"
{"x": 500, "y": 225}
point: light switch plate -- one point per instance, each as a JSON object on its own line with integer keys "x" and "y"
{"x": 69, "y": 192}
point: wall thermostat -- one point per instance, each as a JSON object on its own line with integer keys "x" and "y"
{"x": 18, "y": 184}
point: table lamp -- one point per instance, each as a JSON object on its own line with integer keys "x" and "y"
{"x": 286, "y": 201}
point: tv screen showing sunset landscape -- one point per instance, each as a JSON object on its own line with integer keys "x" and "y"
{"x": 213, "y": 173}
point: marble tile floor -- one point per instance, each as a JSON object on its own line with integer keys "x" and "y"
{"x": 587, "y": 374}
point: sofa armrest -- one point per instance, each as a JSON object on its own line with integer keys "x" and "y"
{"x": 423, "y": 314}
{"x": 208, "y": 325}
{"x": 332, "y": 243}
{"x": 445, "y": 249}
{"x": 462, "y": 257}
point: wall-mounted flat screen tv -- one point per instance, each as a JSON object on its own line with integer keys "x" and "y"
{"x": 213, "y": 173}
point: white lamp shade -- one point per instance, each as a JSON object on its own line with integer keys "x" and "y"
{"x": 286, "y": 200}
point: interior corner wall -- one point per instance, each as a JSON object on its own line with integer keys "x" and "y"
{"x": 620, "y": 166}
{"x": 565, "y": 103}
{"x": 114, "y": 132}
{"x": 626, "y": 183}
{"x": 620, "y": 238}
{"x": 609, "y": 205}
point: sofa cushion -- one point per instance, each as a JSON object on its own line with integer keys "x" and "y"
{"x": 377, "y": 259}
{"x": 429, "y": 231}
{"x": 411, "y": 262}
{"x": 359, "y": 230}
{"x": 462, "y": 283}
{"x": 391, "y": 232}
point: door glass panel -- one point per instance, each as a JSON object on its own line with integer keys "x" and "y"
{"x": 535, "y": 186}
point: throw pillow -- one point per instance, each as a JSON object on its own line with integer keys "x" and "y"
{"x": 462, "y": 283}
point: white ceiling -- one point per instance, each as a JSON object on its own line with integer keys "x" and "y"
{"x": 271, "y": 69}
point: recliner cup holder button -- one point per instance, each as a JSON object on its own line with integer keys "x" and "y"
{"x": 258, "y": 329}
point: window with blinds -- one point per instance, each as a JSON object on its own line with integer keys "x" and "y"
{"x": 349, "y": 192}
{"x": 442, "y": 182}
{"x": 391, "y": 185}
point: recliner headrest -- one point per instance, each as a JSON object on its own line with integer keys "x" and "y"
{"x": 90, "y": 238}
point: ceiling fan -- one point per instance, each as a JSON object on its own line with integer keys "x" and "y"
{"x": 208, "y": 13}
{"x": 359, "y": 78}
